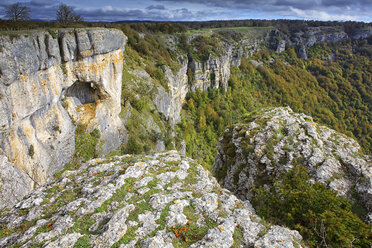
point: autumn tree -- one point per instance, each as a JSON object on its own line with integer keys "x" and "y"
{"x": 67, "y": 15}
{"x": 17, "y": 12}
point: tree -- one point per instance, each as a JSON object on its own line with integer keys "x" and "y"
{"x": 17, "y": 12}
{"x": 67, "y": 15}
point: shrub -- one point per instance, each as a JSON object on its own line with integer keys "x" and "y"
{"x": 323, "y": 218}
{"x": 133, "y": 147}
{"x": 138, "y": 104}
{"x": 31, "y": 151}
{"x": 86, "y": 143}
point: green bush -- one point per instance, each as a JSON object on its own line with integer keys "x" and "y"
{"x": 86, "y": 143}
{"x": 31, "y": 151}
{"x": 138, "y": 104}
{"x": 133, "y": 147}
{"x": 83, "y": 242}
{"x": 323, "y": 218}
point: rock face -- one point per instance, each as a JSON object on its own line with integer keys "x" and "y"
{"x": 49, "y": 82}
{"x": 215, "y": 72}
{"x": 314, "y": 35}
{"x": 162, "y": 200}
{"x": 170, "y": 102}
{"x": 362, "y": 34}
{"x": 273, "y": 142}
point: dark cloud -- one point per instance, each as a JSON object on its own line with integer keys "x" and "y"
{"x": 5, "y": 3}
{"x": 110, "y": 14}
{"x": 158, "y": 7}
{"x": 303, "y": 4}
{"x": 302, "y": 9}
{"x": 176, "y": 10}
{"x": 42, "y": 3}
{"x": 113, "y": 14}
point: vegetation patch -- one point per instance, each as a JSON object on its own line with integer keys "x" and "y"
{"x": 315, "y": 211}
{"x": 83, "y": 242}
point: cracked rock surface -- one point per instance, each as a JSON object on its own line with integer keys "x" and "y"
{"x": 269, "y": 144}
{"x": 160, "y": 200}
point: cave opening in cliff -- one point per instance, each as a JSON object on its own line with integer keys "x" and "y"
{"x": 83, "y": 92}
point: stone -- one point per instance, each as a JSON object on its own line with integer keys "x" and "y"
{"x": 279, "y": 237}
{"x": 281, "y": 46}
{"x": 46, "y": 87}
{"x": 330, "y": 157}
{"x": 104, "y": 210}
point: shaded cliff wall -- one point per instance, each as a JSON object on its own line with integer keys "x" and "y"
{"x": 50, "y": 82}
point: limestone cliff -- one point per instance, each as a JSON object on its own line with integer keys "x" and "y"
{"x": 49, "y": 82}
{"x": 313, "y": 35}
{"x": 213, "y": 72}
{"x": 270, "y": 143}
{"x": 161, "y": 200}
{"x": 169, "y": 102}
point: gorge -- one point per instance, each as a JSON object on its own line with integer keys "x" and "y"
{"x": 74, "y": 101}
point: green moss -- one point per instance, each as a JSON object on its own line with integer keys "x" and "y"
{"x": 153, "y": 183}
{"x": 191, "y": 233}
{"x": 83, "y": 224}
{"x": 45, "y": 228}
{"x": 83, "y": 242}
{"x": 238, "y": 238}
{"x": 163, "y": 215}
{"x": 31, "y": 151}
{"x": 53, "y": 33}
{"x": 63, "y": 68}
{"x": 127, "y": 238}
{"x": 86, "y": 144}
{"x": 123, "y": 191}
{"x": 103, "y": 207}
{"x": 192, "y": 176}
{"x": 141, "y": 207}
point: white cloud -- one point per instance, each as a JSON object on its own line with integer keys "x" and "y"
{"x": 319, "y": 15}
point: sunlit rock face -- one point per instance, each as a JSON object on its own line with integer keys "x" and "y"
{"x": 50, "y": 82}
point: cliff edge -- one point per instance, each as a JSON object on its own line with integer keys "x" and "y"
{"x": 161, "y": 200}
{"x": 260, "y": 151}
{"x": 50, "y": 82}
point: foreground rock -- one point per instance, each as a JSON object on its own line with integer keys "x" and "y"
{"x": 49, "y": 82}
{"x": 271, "y": 143}
{"x": 163, "y": 200}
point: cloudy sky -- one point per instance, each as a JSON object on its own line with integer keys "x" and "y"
{"x": 193, "y": 10}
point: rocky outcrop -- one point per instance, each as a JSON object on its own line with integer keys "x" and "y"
{"x": 281, "y": 46}
{"x": 215, "y": 72}
{"x": 362, "y": 34}
{"x": 49, "y": 82}
{"x": 314, "y": 35}
{"x": 272, "y": 142}
{"x": 169, "y": 102}
{"x": 163, "y": 200}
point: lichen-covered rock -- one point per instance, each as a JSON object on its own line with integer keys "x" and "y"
{"x": 161, "y": 200}
{"x": 49, "y": 81}
{"x": 12, "y": 183}
{"x": 272, "y": 142}
{"x": 279, "y": 237}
